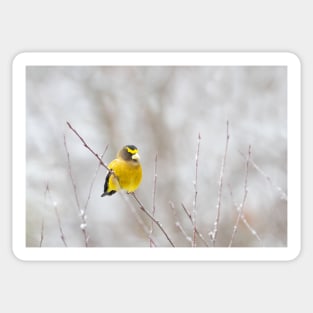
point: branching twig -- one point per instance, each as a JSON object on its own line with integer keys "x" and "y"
{"x": 243, "y": 218}
{"x": 94, "y": 178}
{"x": 194, "y": 203}
{"x": 70, "y": 173}
{"x": 82, "y": 215}
{"x": 152, "y": 218}
{"x": 213, "y": 233}
{"x": 282, "y": 193}
{"x": 251, "y": 229}
{"x": 81, "y": 212}
{"x": 86, "y": 146}
{"x": 178, "y": 224}
{"x": 154, "y": 194}
{"x": 241, "y": 205}
{"x": 60, "y": 224}
{"x": 56, "y": 211}
{"x": 140, "y": 221}
{"x": 42, "y": 231}
{"x": 195, "y": 228}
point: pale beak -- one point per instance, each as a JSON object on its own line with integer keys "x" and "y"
{"x": 136, "y": 157}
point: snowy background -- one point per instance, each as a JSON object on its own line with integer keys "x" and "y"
{"x": 161, "y": 110}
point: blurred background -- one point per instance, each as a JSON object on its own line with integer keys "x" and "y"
{"x": 161, "y": 110}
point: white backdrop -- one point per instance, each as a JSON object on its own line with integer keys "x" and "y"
{"x": 158, "y": 26}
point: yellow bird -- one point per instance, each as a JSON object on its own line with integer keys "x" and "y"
{"x": 127, "y": 172}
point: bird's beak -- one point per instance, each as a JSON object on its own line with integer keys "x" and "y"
{"x": 136, "y": 157}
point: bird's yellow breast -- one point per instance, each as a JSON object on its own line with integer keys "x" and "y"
{"x": 128, "y": 174}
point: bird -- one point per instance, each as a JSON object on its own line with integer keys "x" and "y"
{"x": 125, "y": 172}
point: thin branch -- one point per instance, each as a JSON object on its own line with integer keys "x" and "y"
{"x": 56, "y": 211}
{"x": 213, "y": 234}
{"x": 48, "y": 194}
{"x": 81, "y": 212}
{"x": 42, "y": 231}
{"x": 283, "y": 194}
{"x": 94, "y": 153}
{"x": 154, "y": 194}
{"x": 196, "y": 231}
{"x": 251, "y": 229}
{"x": 94, "y": 179}
{"x": 152, "y": 218}
{"x": 194, "y": 203}
{"x": 178, "y": 224}
{"x": 86, "y": 146}
{"x": 243, "y": 218}
{"x": 69, "y": 167}
{"x": 140, "y": 221}
{"x": 241, "y": 205}
{"x": 59, "y": 223}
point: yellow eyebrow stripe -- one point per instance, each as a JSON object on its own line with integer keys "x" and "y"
{"x": 132, "y": 151}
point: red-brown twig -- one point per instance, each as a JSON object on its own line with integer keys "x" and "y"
{"x": 42, "y": 231}
{"x": 243, "y": 218}
{"x": 138, "y": 218}
{"x": 70, "y": 173}
{"x": 56, "y": 211}
{"x": 86, "y": 146}
{"x": 213, "y": 233}
{"x": 178, "y": 224}
{"x": 93, "y": 179}
{"x": 60, "y": 224}
{"x": 152, "y": 218}
{"x": 282, "y": 193}
{"x": 241, "y": 205}
{"x": 194, "y": 203}
{"x": 195, "y": 229}
{"x": 154, "y": 195}
{"x": 81, "y": 212}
